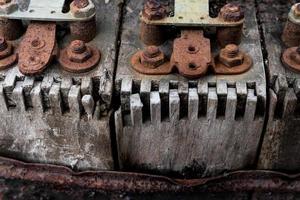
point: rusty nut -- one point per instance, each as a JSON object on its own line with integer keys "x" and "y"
{"x": 231, "y": 13}
{"x": 231, "y": 56}
{"x": 8, "y": 6}
{"x": 6, "y": 49}
{"x": 78, "y": 52}
{"x": 88, "y": 11}
{"x": 153, "y": 10}
{"x": 152, "y": 57}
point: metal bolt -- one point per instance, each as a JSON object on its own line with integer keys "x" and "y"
{"x": 231, "y": 13}
{"x": 295, "y": 56}
{"x": 81, "y": 3}
{"x": 231, "y": 50}
{"x": 78, "y": 51}
{"x": 152, "y": 57}
{"x": 6, "y": 49}
{"x": 78, "y": 46}
{"x": 153, "y": 10}
{"x": 231, "y": 56}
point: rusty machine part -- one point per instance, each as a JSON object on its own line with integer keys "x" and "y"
{"x": 151, "y": 61}
{"x": 37, "y": 47}
{"x": 291, "y": 58}
{"x": 156, "y": 16}
{"x": 83, "y": 30}
{"x": 291, "y": 36}
{"x": 79, "y": 57}
{"x": 7, "y": 55}
{"x": 232, "y": 61}
{"x": 191, "y": 54}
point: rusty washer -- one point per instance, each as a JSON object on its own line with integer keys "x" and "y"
{"x": 232, "y": 61}
{"x": 230, "y": 35}
{"x": 79, "y": 57}
{"x": 291, "y": 58}
{"x": 7, "y": 56}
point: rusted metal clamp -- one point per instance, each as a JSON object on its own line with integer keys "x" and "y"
{"x": 192, "y": 58}
{"x": 155, "y": 17}
{"x": 38, "y": 46}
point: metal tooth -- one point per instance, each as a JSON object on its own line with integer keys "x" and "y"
{"x": 65, "y": 87}
{"x": 155, "y": 108}
{"x": 88, "y": 105}
{"x": 174, "y": 106}
{"x": 193, "y": 104}
{"x": 18, "y": 97}
{"x": 126, "y": 90}
{"x": 36, "y": 98}
{"x": 289, "y": 103}
{"x": 231, "y": 104}
{"x": 297, "y": 86}
{"x": 136, "y": 112}
{"x": 74, "y": 99}
{"x": 222, "y": 88}
{"x": 145, "y": 96}
{"x": 86, "y": 86}
{"x": 27, "y": 86}
{"x": 3, "y": 104}
{"x": 55, "y": 99}
{"x": 273, "y": 103}
{"x": 250, "y": 106}
{"x": 212, "y": 104}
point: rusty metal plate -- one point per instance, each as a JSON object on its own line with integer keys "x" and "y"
{"x": 43, "y": 10}
{"x": 191, "y": 54}
{"x": 37, "y": 47}
{"x": 192, "y": 13}
{"x": 61, "y": 177}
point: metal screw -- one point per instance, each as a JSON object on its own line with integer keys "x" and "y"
{"x": 78, "y": 52}
{"x": 151, "y": 51}
{"x": 81, "y": 3}
{"x": 231, "y": 56}
{"x": 3, "y": 44}
{"x": 78, "y": 46}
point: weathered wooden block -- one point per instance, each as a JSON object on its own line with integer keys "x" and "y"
{"x": 281, "y": 141}
{"x": 192, "y": 127}
{"x": 58, "y": 117}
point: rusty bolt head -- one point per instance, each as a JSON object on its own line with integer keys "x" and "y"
{"x": 154, "y": 10}
{"x": 152, "y": 57}
{"x": 78, "y": 52}
{"x": 231, "y": 13}
{"x": 81, "y": 9}
{"x": 295, "y": 55}
{"x": 231, "y": 56}
{"x": 81, "y": 3}
{"x": 6, "y": 49}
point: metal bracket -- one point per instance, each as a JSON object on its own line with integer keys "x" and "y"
{"x": 192, "y": 13}
{"x": 42, "y": 10}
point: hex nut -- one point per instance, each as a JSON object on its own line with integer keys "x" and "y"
{"x": 231, "y": 13}
{"x": 85, "y": 12}
{"x": 296, "y": 10}
{"x": 79, "y": 57}
{"x": 230, "y": 61}
{"x": 9, "y": 7}
{"x": 153, "y": 10}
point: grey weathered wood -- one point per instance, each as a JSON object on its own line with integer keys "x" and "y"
{"x": 279, "y": 149}
{"x": 192, "y": 137}
{"x": 53, "y": 127}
